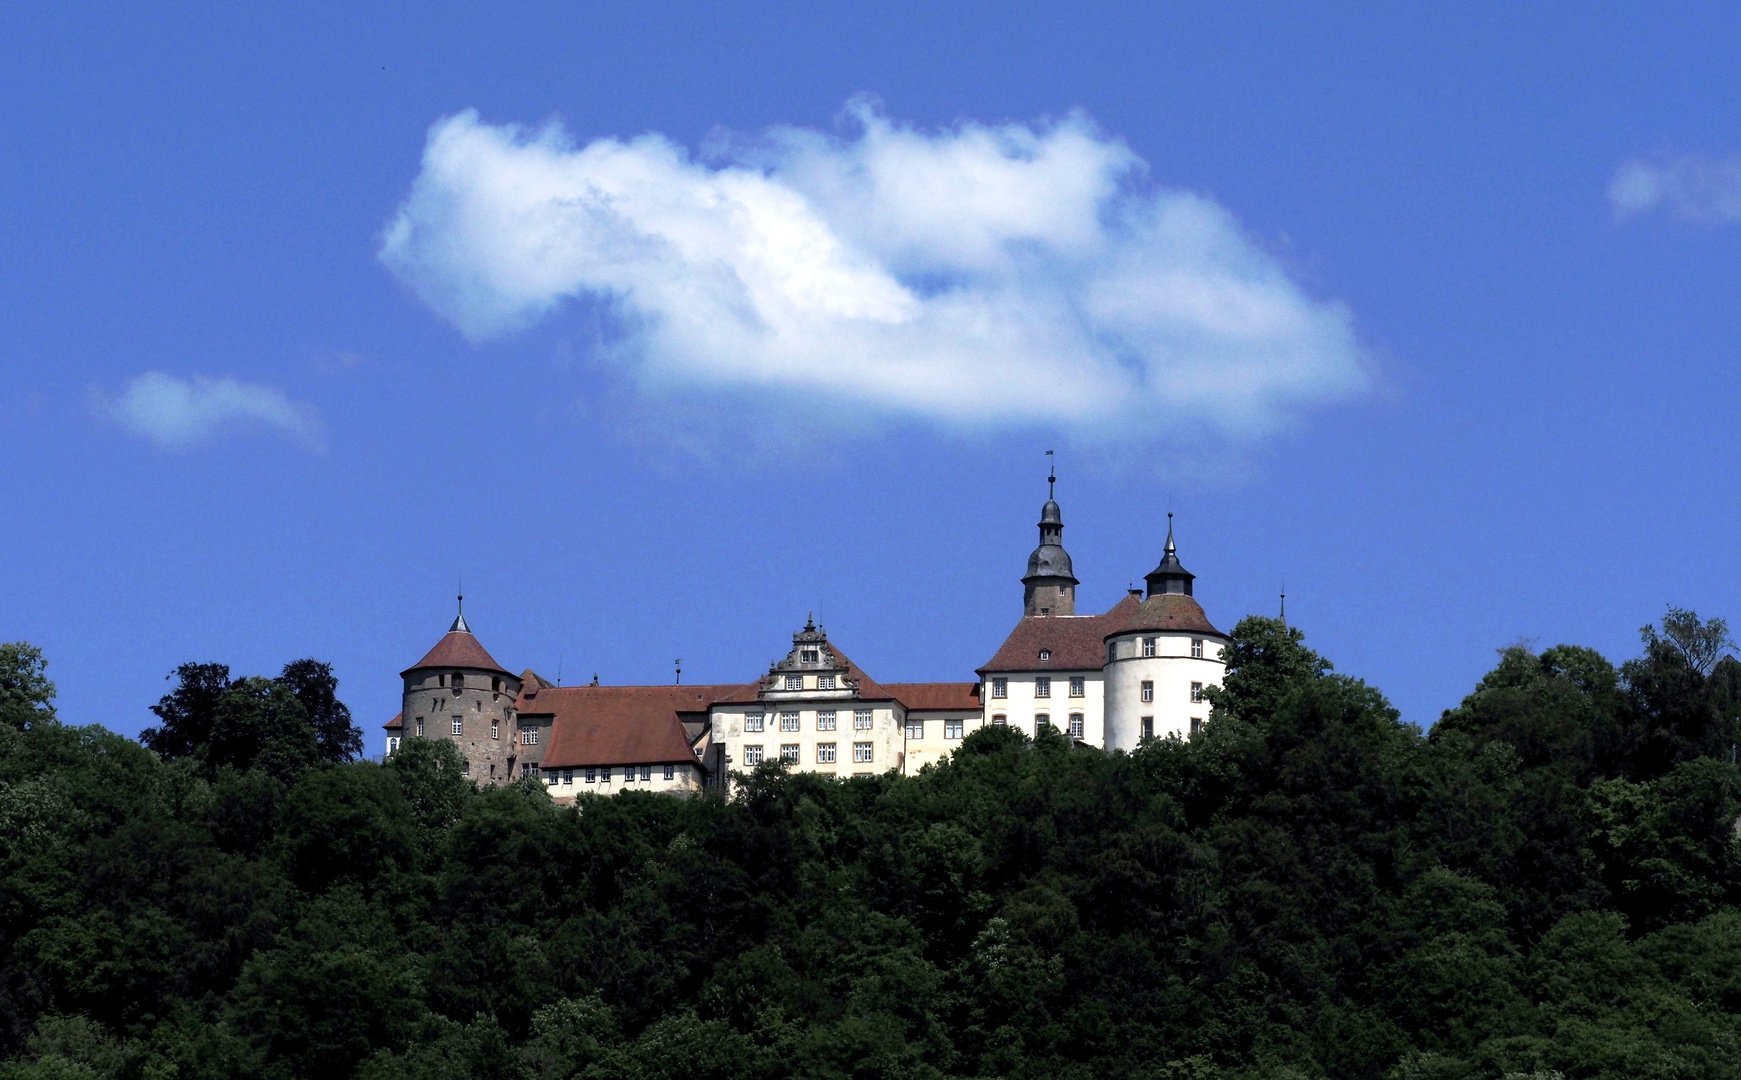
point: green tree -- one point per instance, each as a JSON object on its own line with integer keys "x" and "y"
{"x": 26, "y": 694}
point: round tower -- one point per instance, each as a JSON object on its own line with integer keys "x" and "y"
{"x": 1161, "y": 660}
{"x": 1049, "y": 586}
{"x": 458, "y": 692}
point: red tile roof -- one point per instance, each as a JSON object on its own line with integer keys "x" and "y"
{"x": 936, "y": 696}
{"x": 1166, "y": 611}
{"x": 398, "y": 721}
{"x": 458, "y": 649}
{"x": 617, "y": 725}
{"x": 1075, "y": 642}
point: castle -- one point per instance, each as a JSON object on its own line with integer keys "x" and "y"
{"x": 1136, "y": 672}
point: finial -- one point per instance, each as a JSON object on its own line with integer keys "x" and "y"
{"x": 1051, "y": 474}
{"x": 1284, "y": 606}
{"x": 679, "y": 663}
{"x": 459, "y": 618}
{"x": 1170, "y": 546}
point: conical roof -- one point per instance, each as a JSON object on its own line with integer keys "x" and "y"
{"x": 1170, "y": 576}
{"x": 458, "y": 649}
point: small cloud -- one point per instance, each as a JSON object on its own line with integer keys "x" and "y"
{"x": 175, "y": 414}
{"x": 1696, "y": 187}
{"x": 977, "y": 277}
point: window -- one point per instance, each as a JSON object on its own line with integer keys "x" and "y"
{"x": 752, "y": 755}
{"x": 495, "y": 686}
{"x": 591, "y": 775}
{"x": 1196, "y": 724}
{"x": 1045, "y": 654}
{"x": 1078, "y": 686}
{"x": 646, "y": 774}
{"x": 1000, "y": 687}
{"x": 553, "y": 778}
{"x": 465, "y": 766}
{"x": 458, "y": 726}
{"x": 604, "y": 774}
{"x": 788, "y": 721}
{"x": 458, "y": 682}
{"x": 952, "y": 729}
{"x": 1148, "y": 690}
{"x": 1111, "y": 651}
{"x": 1044, "y": 718}
{"x": 568, "y": 777}
{"x": 529, "y": 769}
{"x": 1196, "y": 691}
{"x": 670, "y": 772}
{"x": 420, "y": 725}
{"x": 794, "y": 682}
{"x": 861, "y": 752}
{"x": 824, "y": 682}
{"x": 1075, "y": 725}
{"x": 495, "y": 731}
{"x": 789, "y": 752}
{"x": 1043, "y": 686}
{"x": 998, "y": 719}
{"x": 529, "y": 735}
{"x": 915, "y": 729}
{"x": 861, "y": 719}
{"x": 825, "y": 720}
{"x": 824, "y": 753}
{"x": 434, "y": 704}
{"x": 1148, "y": 646}
{"x": 628, "y": 774}
{"x": 1148, "y": 727}
{"x": 808, "y": 656}
{"x": 1197, "y": 648}
{"x": 753, "y": 721}
{"x": 392, "y": 744}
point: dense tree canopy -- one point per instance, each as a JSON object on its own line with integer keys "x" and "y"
{"x": 1549, "y": 881}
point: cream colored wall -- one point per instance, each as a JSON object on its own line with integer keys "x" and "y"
{"x": 1021, "y": 706}
{"x": 1172, "y": 670}
{"x": 565, "y": 784}
{"x": 885, "y": 735}
{"x": 934, "y": 747}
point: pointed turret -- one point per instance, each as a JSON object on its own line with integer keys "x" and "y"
{"x": 1049, "y": 586}
{"x": 1170, "y": 576}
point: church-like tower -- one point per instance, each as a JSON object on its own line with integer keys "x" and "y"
{"x": 459, "y": 692}
{"x": 1049, "y": 586}
{"x": 1162, "y": 656}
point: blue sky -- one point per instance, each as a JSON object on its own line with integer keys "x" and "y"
{"x": 666, "y": 327}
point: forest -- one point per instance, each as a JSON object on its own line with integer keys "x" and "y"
{"x": 1543, "y": 884}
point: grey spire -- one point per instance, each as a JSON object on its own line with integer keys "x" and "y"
{"x": 459, "y": 620}
{"x": 1049, "y": 586}
{"x": 1170, "y": 576}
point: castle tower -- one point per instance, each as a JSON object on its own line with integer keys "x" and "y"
{"x": 1161, "y": 659}
{"x": 459, "y": 692}
{"x": 1049, "y": 586}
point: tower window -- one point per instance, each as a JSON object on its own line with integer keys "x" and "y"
{"x": 1148, "y": 690}
{"x": 1043, "y": 686}
{"x": 495, "y": 731}
{"x": 1111, "y": 651}
{"x": 1148, "y": 727}
{"x": 1196, "y": 691}
{"x": 458, "y": 728}
{"x": 1000, "y": 687}
{"x": 1197, "y": 648}
{"x": 1075, "y": 725}
{"x": 458, "y": 682}
{"x": 1148, "y": 646}
{"x": 420, "y": 725}
{"x": 1078, "y": 686}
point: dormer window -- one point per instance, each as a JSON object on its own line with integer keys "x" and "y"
{"x": 808, "y": 656}
{"x": 1045, "y": 654}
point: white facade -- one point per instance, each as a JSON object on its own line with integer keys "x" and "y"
{"x": 1022, "y": 698}
{"x": 1156, "y": 682}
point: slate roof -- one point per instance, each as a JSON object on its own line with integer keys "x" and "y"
{"x": 936, "y": 696}
{"x": 1075, "y": 642}
{"x": 617, "y": 725}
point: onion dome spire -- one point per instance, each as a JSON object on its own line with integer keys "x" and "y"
{"x": 1049, "y": 586}
{"x": 1170, "y": 576}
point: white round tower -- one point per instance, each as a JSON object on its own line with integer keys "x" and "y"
{"x": 1161, "y": 660}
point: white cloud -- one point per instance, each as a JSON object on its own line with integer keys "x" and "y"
{"x": 979, "y": 276}
{"x": 178, "y": 413}
{"x": 1695, "y": 186}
